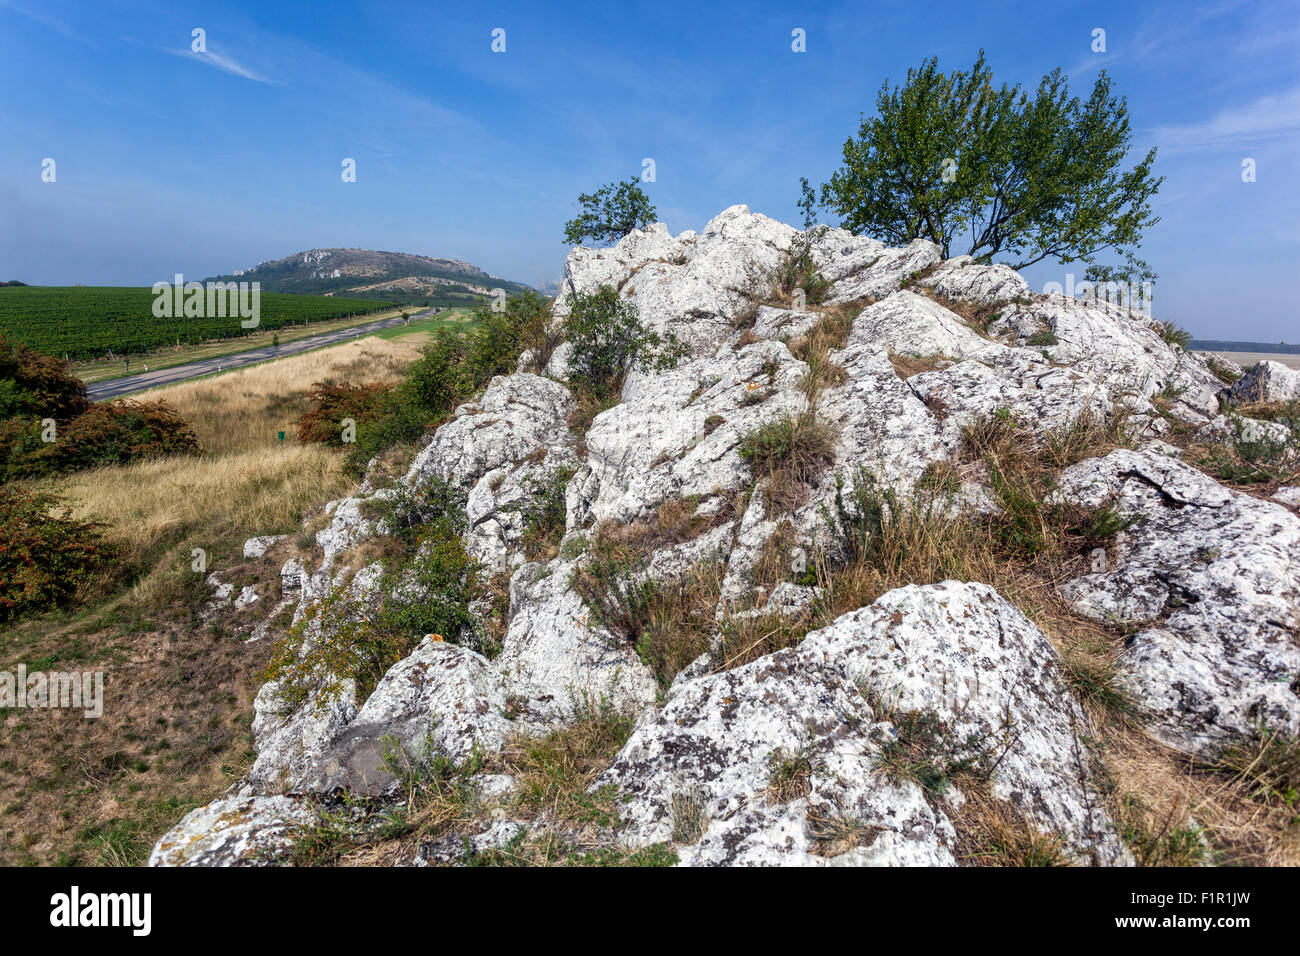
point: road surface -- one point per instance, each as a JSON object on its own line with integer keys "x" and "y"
{"x": 117, "y": 387}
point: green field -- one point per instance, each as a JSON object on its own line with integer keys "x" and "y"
{"x": 86, "y": 322}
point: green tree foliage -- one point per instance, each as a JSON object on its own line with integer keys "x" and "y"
{"x": 610, "y": 213}
{"x": 1023, "y": 177}
{"x": 608, "y": 339}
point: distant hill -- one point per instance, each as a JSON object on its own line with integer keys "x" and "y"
{"x": 366, "y": 273}
{"x": 1219, "y": 345}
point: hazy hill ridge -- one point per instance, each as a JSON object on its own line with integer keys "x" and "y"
{"x": 371, "y": 272}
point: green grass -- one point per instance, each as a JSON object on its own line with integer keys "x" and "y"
{"x": 426, "y": 325}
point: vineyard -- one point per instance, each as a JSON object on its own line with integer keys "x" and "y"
{"x": 86, "y": 322}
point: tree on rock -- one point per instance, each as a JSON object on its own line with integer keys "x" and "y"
{"x": 952, "y": 158}
{"x": 610, "y": 213}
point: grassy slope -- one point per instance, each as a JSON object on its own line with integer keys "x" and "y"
{"x": 178, "y": 691}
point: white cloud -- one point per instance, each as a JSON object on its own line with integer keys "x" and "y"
{"x": 225, "y": 63}
{"x": 1271, "y": 116}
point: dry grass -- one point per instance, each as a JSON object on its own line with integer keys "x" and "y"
{"x": 243, "y": 410}
{"x": 993, "y": 832}
{"x": 815, "y": 347}
{"x": 1240, "y": 809}
{"x": 175, "y": 730}
{"x": 908, "y": 365}
{"x": 222, "y": 499}
{"x": 786, "y": 456}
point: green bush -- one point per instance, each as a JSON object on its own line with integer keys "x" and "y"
{"x": 798, "y": 270}
{"x": 608, "y": 339}
{"x": 38, "y": 386}
{"x": 432, "y": 507}
{"x": 452, "y": 368}
{"x": 428, "y": 594}
{"x": 105, "y": 434}
{"x": 44, "y": 558}
{"x": 35, "y": 387}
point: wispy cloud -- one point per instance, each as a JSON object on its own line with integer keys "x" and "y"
{"x": 1269, "y": 117}
{"x": 49, "y": 22}
{"x": 221, "y": 62}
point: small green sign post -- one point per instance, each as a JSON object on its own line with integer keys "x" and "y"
{"x": 280, "y": 435}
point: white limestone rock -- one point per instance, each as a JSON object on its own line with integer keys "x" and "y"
{"x": 678, "y": 433}
{"x": 235, "y": 831}
{"x": 957, "y": 650}
{"x": 886, "y": 273}
{"x": 258, "y": 546}
{"x": 441, "y": 696}
{"x": 1240, "y": 428}
{"x": 554, "y": 654}
{"x": 1267, "y": 382}
{"x": 1212, "y": 576}
{"x": 963, "y": 279}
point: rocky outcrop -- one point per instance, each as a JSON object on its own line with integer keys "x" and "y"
{"x": 234, "y": 831}
{"x": 792, "y": 758}
{"x": 1267, "y": 382}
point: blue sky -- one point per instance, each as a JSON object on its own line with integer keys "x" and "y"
{"x": 168, "y": 161}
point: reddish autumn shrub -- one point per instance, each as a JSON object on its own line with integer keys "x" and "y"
{"x": 123, "y": 431}
{"x": 38, "y": 386}
{"x": 331, "y": 404}
{"x": 105, "y": 434}
{"x": 44, "y": 558}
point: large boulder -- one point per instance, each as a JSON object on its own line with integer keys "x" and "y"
{"x": 1267, "y": 382}
{"x": 1209, "y": 578}
{"x": 719, "y": 766}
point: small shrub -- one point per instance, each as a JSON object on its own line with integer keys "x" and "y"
{"x": 925, "y": 750}
{"x": 544, "y": 512}
{"x": 33, "y": 385}
{"x": 798, "y": 270}
{"x": 108, "y": 434}
{"x": 556, "y": 769}
{"x": 668, "y": 623}
{"x": 430, "y": 594}
{"x": 1259, "y": 460}
{"x": 331, "y": 404}
{"x": 789, "y": 773}
{"x": 1222, "y": 370}
{"x": 1172, "y": 334}
{"x": 411, "y": 513}
{"x": 789, "y": 453}
{"x": 44, "y": 558}
{"x": 1042, "y": 339}
{"x": 608, "y": 339}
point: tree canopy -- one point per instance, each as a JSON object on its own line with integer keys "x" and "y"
{"x": 951, "y": 157}
{"x": 610, "y": 213}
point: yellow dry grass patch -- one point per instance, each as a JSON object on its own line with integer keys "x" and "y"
{"x": 245, "y": 482}
{"x": 245, "y": 409}
{"x": 243, "y": 493}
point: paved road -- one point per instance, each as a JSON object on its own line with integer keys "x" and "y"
{"x": 117, "y": 387}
